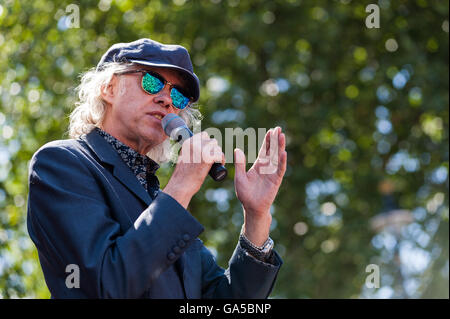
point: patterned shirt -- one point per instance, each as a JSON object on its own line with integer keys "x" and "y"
{"x": 142, "y": 166}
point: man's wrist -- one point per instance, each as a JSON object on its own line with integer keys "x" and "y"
{"x": 256, "y": 229}
{"x": 180, "y": 195}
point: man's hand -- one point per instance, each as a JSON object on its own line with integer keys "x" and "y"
{"x": 198, "y": 153}
{"x": 257, "y": 188}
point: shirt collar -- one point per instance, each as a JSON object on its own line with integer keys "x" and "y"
{"x": 137, "y": 162}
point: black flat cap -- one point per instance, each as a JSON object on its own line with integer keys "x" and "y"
{"x": 152, "y": 53}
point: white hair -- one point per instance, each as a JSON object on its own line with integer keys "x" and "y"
{"x": 90, "y": 109}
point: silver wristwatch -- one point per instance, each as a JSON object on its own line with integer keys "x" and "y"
{"x": 264, "y": 250}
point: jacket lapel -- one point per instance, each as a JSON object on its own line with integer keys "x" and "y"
{"x": 121, "y": 171}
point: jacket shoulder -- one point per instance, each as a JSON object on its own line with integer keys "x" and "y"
{"x": 59, "y": 149}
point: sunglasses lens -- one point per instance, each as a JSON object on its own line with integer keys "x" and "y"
{"x": 151, "y": 84}
{"x": 178, "y": 99}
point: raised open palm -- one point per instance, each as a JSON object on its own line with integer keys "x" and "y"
{"x": 257, "y": 188}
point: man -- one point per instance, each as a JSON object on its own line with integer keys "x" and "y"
{"x": 103, "y": 227}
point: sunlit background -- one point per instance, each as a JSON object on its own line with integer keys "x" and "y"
{"x": 365, "y": 112}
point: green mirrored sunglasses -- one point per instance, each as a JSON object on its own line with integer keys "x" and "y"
{"x": 153, "y": 83}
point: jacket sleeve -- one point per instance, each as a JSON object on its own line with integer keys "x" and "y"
{"x": 245, "y": 278}
{"x": 70, "y": 223}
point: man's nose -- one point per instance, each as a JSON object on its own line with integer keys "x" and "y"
{"x": 163, "y": 97}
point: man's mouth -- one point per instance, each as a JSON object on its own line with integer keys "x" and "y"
{"x": 158, "y": 115}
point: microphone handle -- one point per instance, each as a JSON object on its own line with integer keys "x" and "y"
{"x": 218, "y": 172}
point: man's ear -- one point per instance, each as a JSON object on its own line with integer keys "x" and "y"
{"x": 108, "y": 91}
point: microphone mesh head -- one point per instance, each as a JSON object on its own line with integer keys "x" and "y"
{"x": 170, "y": 122}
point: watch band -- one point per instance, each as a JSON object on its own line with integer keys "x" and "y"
{"x": 261, "y": 253}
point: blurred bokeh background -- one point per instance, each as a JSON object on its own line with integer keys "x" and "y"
{"x": 365, "y": 112}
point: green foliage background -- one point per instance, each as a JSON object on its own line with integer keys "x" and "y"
{"x": 353, "y": 102}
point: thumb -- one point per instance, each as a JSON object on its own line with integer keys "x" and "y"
{"x": 239, "y": 163}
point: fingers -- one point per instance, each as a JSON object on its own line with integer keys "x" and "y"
{"x": 274, "y": 145}
{"x": 239, "y": 164}
{"x": 271, "y": 142}
{"x": 282, "y": 154}
{"x": 281, "y": 144}
{"x": 267, "y": 140}
{"x": 210, "y": 151}
{"x": 205, "y": 135}
{"x": 264, "y": 150}
{"x": 202, "y": 148}
{"x": 282, "y": 164}
{"x": 272, "y": 156}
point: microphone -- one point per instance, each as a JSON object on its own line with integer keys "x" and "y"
{"x": 177, "y": 130}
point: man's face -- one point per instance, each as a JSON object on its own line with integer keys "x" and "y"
{"x": 132, "y": 116}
